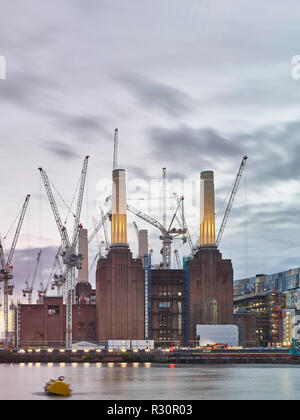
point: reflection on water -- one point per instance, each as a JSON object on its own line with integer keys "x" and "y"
{"x": 142, "y": 381}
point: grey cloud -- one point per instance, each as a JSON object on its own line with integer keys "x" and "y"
{"x": 274, "y": 152}
{"x": 68, "y": 59}
{"x": 272, "y": 92}
{"x": 62, "y": 150}
{"x": 29, "y": 91}
{"x": 196, "y": 148}
{"x": 83, "y": 127}
{"x": 24, "y": 260}
{"x": 150, "y": 93}
{"x": 136, "y": 172}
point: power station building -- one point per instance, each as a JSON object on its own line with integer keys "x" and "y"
{"x": 134, "y": 301}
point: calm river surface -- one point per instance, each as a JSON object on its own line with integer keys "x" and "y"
{"x": 144, "y": 381}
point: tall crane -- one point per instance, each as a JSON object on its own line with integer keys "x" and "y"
{"x": 99, "y": 225}
{"x": 107, "y": 243}
{"x": 99, "y": 254}
{"x": 71, "y": 258}
{"x": 101, "y": 244}
{"x": 167, "y": 234}
{"x": 59, "y": 278}
{"x": 42, "y": 291}
{"x": 29, "y": 289}
{"x": 164, "y": 179}
{"x": 180, "y": 202}
{"x": 136, "y": 229}
{"x": 232, "y": 196}
{"x": 176, "y": 253}
{"x": 6, "y": 275}
{"x": 228, "y": 209}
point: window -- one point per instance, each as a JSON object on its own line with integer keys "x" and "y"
{"x": 164, "y": 305}
{"x": 53, "y": 310}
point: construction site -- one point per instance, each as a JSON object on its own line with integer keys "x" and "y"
{"x": 154, "y": 306}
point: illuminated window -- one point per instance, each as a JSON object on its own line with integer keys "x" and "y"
{"x": 164, "y": 305}
{"x": 53, "y": 310}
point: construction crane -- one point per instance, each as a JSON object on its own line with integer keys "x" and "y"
{"x": 71, "y": 258}
{"x": 228, "y": 209}
{"x": 99, "y": 225}
{"x": 115, "y": 158}
{"x": 231, "y": 199}
{"x": 167, "y": 234}
{"x": 99, "y": 254}
{"x": 44, "y": 289}
{"x": 176, "y": 253}
{"x": 136, "y": 229}
{"x": 29, "y": 289}
{"x": 180, "y": 202}
{"x": 59, "y": 278}
{"x": 6, "y": 275}
{"x": 101, "y": 244}
{"x": 164, "y": 179}
{"x": 107, "y": 243}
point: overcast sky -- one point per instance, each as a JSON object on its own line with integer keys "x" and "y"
{"x": 191, "y": 85}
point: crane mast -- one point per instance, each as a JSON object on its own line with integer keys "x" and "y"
{"x": 231, "y": 199}
{"x": 61, "y": 228}
{"x": 43, "y": 290}
{"x": 29, "y": 289}
{"x": 6, "y": 269}
{"x": 166, "y": 236}
{"x": 184, "y": 224}
{"x": 71, "y": 259}
{"x": 79, "y": 203}
{"x": 99, "y": 225}
{"x": 164, "y": 179}
{"x": 136, "y": 229}
{"x": 107, "y": 244}
{"x": 176, "y": 253}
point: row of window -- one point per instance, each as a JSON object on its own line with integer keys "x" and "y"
{"x": 164, "y": 305}
{"x": 169, "y": 293}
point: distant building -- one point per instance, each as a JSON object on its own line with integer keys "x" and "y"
{"x": 209, "y": 278}
{"x": 11, "y": 324}
{"x": 119, "y": 277}
{"x": 44, "y": 324}
{"x": 256, "y": 294}
{"x": 268, "y": 308}
{"x": 246, "y": 323}
{"x": 167, "y": 307}
{"x": 120, "y": 296}
{"x": 134, "y": 301}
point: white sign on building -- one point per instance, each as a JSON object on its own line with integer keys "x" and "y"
{"x": 218, "y": 334}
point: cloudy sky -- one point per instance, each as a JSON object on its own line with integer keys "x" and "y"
{"x": 191, "y": 85}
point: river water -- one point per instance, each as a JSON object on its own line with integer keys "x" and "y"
{"x": 144, "y": 381}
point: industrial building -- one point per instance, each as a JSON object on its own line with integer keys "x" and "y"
{"x": 39, "y": 325}
{"x": 275, "y": 300}
{"x": 167, "y": 307}
{"x": 133, "y": 300}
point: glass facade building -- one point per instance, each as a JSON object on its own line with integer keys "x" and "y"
{"x": 286, "y": 282}
{"x": 286, "y": 285}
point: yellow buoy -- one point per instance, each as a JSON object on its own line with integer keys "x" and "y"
{"x": 58, "y": 387}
